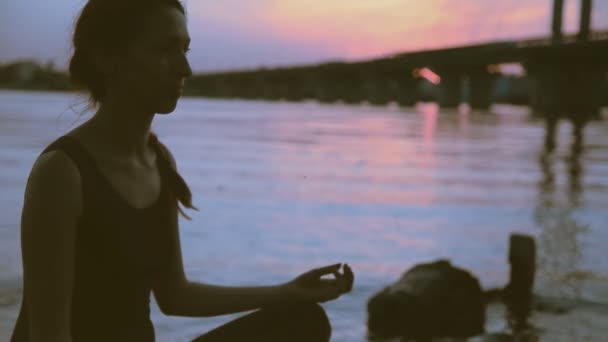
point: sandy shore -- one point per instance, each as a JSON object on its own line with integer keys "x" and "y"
{"x": 563, "y": 316}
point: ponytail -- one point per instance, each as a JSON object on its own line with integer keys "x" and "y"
{"x": 178, "y": 189}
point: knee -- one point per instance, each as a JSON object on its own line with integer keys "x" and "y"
{"x": 313, "y": 321}
{"x": 317, "y": 321}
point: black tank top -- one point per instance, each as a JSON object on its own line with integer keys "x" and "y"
{"x": 120, "y": 252}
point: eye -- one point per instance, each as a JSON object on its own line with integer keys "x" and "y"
{"x": 166, "y": 48}
{"x": 177, "y": 49}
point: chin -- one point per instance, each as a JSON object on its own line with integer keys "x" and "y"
{"x": 164, "y": 112}
{"x": 166, "y": 108}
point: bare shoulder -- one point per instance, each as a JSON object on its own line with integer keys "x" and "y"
{"x": 51, "y": 209}
{"x": 53, "y": 161}
{"x": 54, "y": 183}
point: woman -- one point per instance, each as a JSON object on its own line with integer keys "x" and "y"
{"x": 99, "y": 223}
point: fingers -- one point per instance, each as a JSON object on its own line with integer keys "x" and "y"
{"x": 347, "y": 269}
{"x": 329, "y": 290}
{"x": 345, "y": 279}
{"x": 349, "y": 277}
{"x": 321, "y": 291}
{"x": 312, "y": 286}
{"x": 319, "y": 272}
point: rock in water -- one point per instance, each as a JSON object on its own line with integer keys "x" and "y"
{"x": 431, "y": 300}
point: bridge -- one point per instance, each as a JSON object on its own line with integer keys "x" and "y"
{"x": 567, "y": 74}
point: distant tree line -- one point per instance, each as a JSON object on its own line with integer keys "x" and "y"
{"x": 29, "y": 75}
{"x": 329, "y": 82}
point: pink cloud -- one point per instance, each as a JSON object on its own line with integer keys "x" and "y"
{"x": 359, "y": 28}
{"x": 231, "y": 34}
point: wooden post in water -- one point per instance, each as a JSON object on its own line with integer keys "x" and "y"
{"x": 518, "y": 293}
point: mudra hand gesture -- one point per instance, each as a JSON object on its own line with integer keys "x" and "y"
{"x": 311, "y": 286}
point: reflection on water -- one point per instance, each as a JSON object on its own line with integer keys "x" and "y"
{"x": 556, "y": 215}
{"x": 283, "y": 187}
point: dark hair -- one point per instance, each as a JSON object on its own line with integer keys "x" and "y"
{"x": 180, "y": 192}
{"x": 108, "y": 27}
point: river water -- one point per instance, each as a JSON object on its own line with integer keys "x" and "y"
{"x": 285, "y": 187}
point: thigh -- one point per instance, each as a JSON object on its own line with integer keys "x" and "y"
{"x": 242, "y": 328}
{"x": 285, "y": 323}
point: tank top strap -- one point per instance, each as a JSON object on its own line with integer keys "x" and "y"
{"x": 84, "y": 162}
{"x": 72, "y": 147}
{"x": 94, "y": 182}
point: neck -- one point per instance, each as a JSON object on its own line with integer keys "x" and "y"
{"x": 124, "y": 128}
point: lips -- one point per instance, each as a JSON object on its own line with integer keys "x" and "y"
{"x": 178, "y": 91}
{"x": 177, "y": 88}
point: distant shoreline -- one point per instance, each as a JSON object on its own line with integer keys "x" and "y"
{"x": 277, "y": 84}
{"x": 288, "y": 85}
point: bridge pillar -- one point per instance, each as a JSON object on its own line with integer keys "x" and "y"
{"x": 402, "y": 91}
{"x": 556, "y": 24}
{"x": 548, "y": 88}
{"x": 585, "y": 20}
{"x": 604, "y": 91}
{"x": 450, "y": 90}
{"x": 376, "y": 91}
{"x": 407, "y": 94}
{"x": 481, "y": 86}
{"x": 351, "y": 93}
{"x": 566, "y": 90}
{"x": 326, "y": 93}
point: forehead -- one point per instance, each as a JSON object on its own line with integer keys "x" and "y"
{"x": 163, "y": 24}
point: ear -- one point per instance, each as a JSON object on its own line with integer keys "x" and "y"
{"x": 106, "y": 62}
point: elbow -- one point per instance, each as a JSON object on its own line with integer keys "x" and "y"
{"x": 181, "y": 311}
{"x": 170, "y": 312}
{"x": 173, "y": 306}
{"x": 169, "y": 300}
{"x": 184, "y": 302}
{"x": 169, "y": 309}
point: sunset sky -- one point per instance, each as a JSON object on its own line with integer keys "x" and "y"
{"x": 231, "y": 34}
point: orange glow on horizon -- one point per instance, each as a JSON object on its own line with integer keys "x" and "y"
{"x": 357, "y": 28}
{"x": 362, "y": 28}
{"x": 293, "y": 32}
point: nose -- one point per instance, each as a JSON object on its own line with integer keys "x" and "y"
{"x": 183, "y": 67}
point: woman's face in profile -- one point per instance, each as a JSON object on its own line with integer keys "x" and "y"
{"x": 153, "y": 71}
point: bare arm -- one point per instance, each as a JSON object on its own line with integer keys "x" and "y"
{"x": 179, "y": 297}
{"x": 199, "y": 300}
{"x": 52, "y": 205}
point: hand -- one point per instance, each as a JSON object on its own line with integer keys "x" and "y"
{"x": 310, "y": 286}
